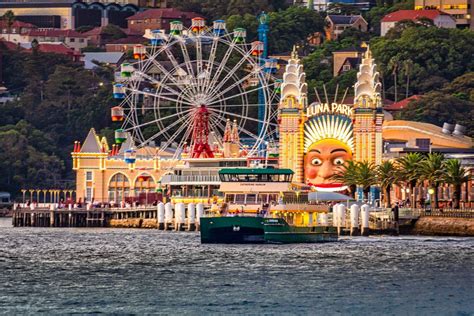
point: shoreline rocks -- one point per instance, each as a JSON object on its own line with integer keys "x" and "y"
{"x": 444, "y": 226}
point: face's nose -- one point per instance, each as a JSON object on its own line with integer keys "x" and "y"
{"x": 326, "y": 170}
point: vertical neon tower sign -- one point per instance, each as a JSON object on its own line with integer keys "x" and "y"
{"x": 263, "y": 29}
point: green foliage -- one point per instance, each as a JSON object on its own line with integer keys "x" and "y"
{"x": 84, "y": 28}
{"x": 287, "y": 27}
{"x": 387, "y": 175}
{"x": 26, "y": 158}
{"x": 219, "y": 9}
{"x": 456, "y": 175}
{"x": 92, "y": 49}
{"x": 453, "y": 103}
{"x": 361, "y": 173}
{"x": 113, "y": 32}
{"x": 38, "y": 130}
{"x": 319, "y": 66}
{"x": 292, "y": 26}
{"x": 438, "y": 55}
{"x": 432, "y": 171}
{"x": 375, "y": 15}
{"x": 247, "y": 21}
{"x": 9, "y": 16}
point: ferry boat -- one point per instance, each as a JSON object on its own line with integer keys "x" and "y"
{"x": 262, "y": 205}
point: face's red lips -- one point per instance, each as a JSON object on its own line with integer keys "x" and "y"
{"x": 329, "y": 186}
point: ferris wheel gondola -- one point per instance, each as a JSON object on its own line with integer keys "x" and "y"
{"x": 184, "y": 86}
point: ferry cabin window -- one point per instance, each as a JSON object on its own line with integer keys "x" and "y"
{"x": 251, "y": 198}
{"x": 229, "y": 198}
{"x": 240, "y": 198}
{"x": 262, "y": 198}
{"x": 255, "y": 177}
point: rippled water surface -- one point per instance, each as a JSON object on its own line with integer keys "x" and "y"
{"x": 58, "y": 271}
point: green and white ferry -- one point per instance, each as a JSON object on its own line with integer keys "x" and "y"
{"x": 262, "y": 205}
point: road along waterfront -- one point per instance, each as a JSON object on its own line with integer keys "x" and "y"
{"x": 103, "y": 270}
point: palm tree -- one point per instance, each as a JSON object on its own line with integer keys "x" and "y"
{"x": 393, "y": 65}
{"x": 9, "y": 17}
{"x": 387, "y": 174}
{"x": 348, "y": 176}
{"x": 432, "y": 171}
{"x": 366, "y": 176}
{"x": 409, "y": 171}
{"x": 455, "y": 175}
{"x": 407, "y": 69}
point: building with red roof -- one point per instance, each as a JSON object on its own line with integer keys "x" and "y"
{"x": 71, "y": 38}
{"x": 440, "y": 18}
{"x": 14, "y": 32}
{"x": 400, "y": 105}
{"x": 159, "y": 19}
{"x": 61, "y": 48}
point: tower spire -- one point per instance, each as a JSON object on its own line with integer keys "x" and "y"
{"x": 294, "y": 53}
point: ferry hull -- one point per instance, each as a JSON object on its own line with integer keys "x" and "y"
{"x": 232, "y": 230}
{"x": 241, "y": 230}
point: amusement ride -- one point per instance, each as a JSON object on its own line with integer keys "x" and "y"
{"x": 190, "y": 90}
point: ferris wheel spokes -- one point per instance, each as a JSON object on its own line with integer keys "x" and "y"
{"x": 221, "y": 66}
{"x": 184, "y": 121}
{"x": 154, "y": 121}
{"x": 231, "y": 97}
{"x": 232, "y": 86}
{"x": 159, "y": 96}
{"x": 153, "y": 80}
{"x": 240, "y": 116}
{"x": 211, "y": 89}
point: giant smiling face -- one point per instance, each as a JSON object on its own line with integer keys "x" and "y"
{"x": 324, "y": 159}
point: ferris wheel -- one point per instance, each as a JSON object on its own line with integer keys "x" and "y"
{"x": 184, "y": 87}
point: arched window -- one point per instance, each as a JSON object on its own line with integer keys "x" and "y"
{"x": 119, "y": 188}
{"x": 144, "y": 183}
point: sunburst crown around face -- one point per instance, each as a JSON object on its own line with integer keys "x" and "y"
{"x": 328, "y": 126}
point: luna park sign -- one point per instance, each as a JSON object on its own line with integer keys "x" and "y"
{"x": 316, "y": 109}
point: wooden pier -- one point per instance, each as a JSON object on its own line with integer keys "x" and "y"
{"x": 45, "y": 217}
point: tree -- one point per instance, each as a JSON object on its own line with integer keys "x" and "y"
{"x": 84, "y": 28}
{"x": 220, "y": 9}
{"x": 113, "y": 32}
{"x": 393, "y": 66}
{"x": 366, "y": 176}
{"x": 439, "y": 55}
{"x": 409, "y": 172}
{"x": 431, "y": 171}
{"x": 9, "y": 17}
{"x": 292, "y": 26}
{"x": 456, "y": 175}
{"x": 362, "y": 174}
{"x": 387, "y": 174}
{"x": 407, "y": 69}
{"x": 453, "y": 103}
{"x": 348, "y": 176}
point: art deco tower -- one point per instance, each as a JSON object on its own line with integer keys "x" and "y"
{"x": 368, "y": 115}
{"x": 291, "y": 117}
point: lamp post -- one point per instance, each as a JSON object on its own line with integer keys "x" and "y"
{"x": 23, "y": 191}
{"x": 431, "y": 191}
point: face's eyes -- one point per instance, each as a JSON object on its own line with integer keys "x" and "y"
{"x": 338, "y": 162}
{"x": 316, "y": 162}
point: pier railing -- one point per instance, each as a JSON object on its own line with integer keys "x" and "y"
{"x": 416, "y": 213}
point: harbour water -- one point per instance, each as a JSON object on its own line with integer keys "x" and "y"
{"x": 58, "y": 271}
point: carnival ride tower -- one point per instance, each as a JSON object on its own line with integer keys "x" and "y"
{"x": 368, "y": 114}
{"x": 291, "y": 117}
{"x": 200, "y": 137}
